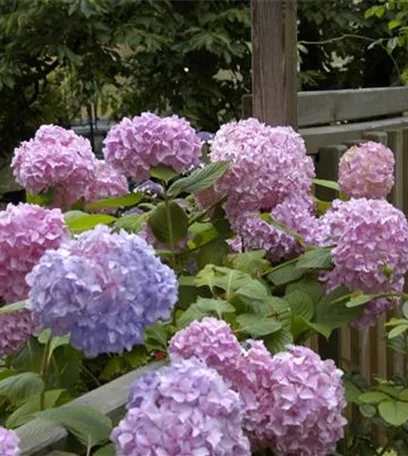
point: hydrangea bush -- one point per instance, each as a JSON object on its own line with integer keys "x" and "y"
{"x": 217, "y": 262}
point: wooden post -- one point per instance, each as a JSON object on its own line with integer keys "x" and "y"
{"x": 274, "y": 61}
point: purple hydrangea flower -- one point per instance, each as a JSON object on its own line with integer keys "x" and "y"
{"x": 150, "y": 187}
{"x": 267, "y": 164}
{"x": 367, "y": 171}
{"x": 9, "y": 443}
{"x": 135, "y": 145}
{"x": 57, "y": 159}
{"x": 210, "y": 340}
{"x": 26, "y": 232}
{"x": 103, "y": 288}
{"x": 108, "y": 183}
{"x": 369, "y": 235}
{"x": 205, "y": 136}
{"x": 182, "y": 409}
{"x": 15, "y": 328}
{"x": 297, "y": 213}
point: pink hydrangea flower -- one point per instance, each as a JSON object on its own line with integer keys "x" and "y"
{"x": 15, "y": 328}
{"x": 135, "y": 145}
{"x": 108, "y": 183}
{"x": 369, "y": 235}
{"x": 210, "y": 340}
{"x": 9, "y": 443}
{"x": 182, "y": 409}
{"x": 26, "y": 232}
{"x": 267, "y": 164}
{"x": 367, "y": 171}
{"x": 56, "y": 159}
{"x": 297, "y": 213}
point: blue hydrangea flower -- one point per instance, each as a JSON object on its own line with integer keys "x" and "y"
{"x": 102, "y": 287}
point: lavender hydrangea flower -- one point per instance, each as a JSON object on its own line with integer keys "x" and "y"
{"x": 103, "y": 288}
{"x": 369, "y": 235}
{"x": 108, "y": 183}
{"x": 210, "y": 340}
{"x": 56, "y": 159}
{"x": 150, "y": 187}
{"x": 15, "y": 328}
{"x": 182, "y": 409}
{"x": 295, "y": 212}
{"x": 9, "y": 443}
{"x": 26, "y": 232}
{"x": 367, "y": 171}
{"x": 135, "y": 145}
{"x": 267, "y": 164}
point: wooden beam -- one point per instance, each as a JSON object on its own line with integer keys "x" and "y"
{"x": 274, "y": 57}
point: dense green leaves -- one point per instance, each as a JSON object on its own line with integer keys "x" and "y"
{"x": 168, "y": 224}
{"x": 257, "y": 325}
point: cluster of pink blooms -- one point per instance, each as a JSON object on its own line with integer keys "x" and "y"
{"x": 9, "y": 443}
{"x": 26, "y": 232}
{"x": 367, "y": 171}
{"x": 108, "y": 183}
{"x": 135, "y": 145}
{"x": 370, "y": 236}
{"x": 55, "y": 159}
{"x": 292, "y": 401}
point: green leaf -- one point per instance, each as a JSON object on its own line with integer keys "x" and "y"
{"x": 394, "y": 24}
{"x": 107, "y": 450}
{"x": 373, "y": 397}
{"x": 156, "y": 337}
{"x": 301, "y": 304}
{"x": 249, "y": 262}
{"x": 212, "y": 253}
{"x": 322, "y": 206}
{"x": 122, "y": 201}
{"x": 352, "y": 391}
{"x": 72, "y": 215}
{"x": 89, "y": 221}
{"x": 318, "y": 258}
{"x": 405, "y": 309}
{"x": 257, "y": 325}
{"x": 158, "y": 222}
{"x": 193, "y": 313}
{"x": 397, "y": 331}
{"x": 327, "y": 184}
{"x": 394, "y": 412}
{"x": 308, "y": 285}
{"x": 266, "y": 216}
{"x": 27, "y": 411}
{"x": 16, "y": 306}
{"x": 87, "y": 424}
{"x": 199, "y": 179}
{"x": 285, "y": 274}
{"x": 254, "y": 290}
{"x": 359, "y": 300}
{"x": 214, "y": 306}
{"x": 132, "y": 223}
{"x": 367, "y": 410}
{"x": 20, "y": 387}
{"x": 44, "y": 199}
{"x": 164, "y": 173}
{"x": 278, "y": 341}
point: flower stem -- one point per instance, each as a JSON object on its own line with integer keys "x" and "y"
{"x": 170, "y": 228}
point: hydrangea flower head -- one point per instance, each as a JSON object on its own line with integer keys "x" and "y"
{"x": 15, "y": 328}
{"x": 108, "y": 183}
{"x": 182, "y": 409}
{"x": 297, "y": 213}
{"x": 267, "y": 164}
{"x": 9, "y": 443}
{"x": 26, "y": 232}
{"x": 135, "y": 145}
{"x": 104, "y": 288}
{"x": 367, "y": 171}
{"x": 369, "y": 235}
{"x": 210, "y": 340}
{"x": 57, "y": 159}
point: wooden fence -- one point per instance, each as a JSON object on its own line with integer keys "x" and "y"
{"x": 330, "y": 122}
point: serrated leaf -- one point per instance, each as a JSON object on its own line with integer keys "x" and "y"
{"x": 14, "y": 307}
{"x": 199, "y": 179}
{"x": 310, "y": 286}
{"x": 26, "y": 412}
{"x": 212, "y": 253}
{"x": 359, "y": 300}
{"x": 89, "y": 221}
{"x": 373, "y": 397}
{"x": 397, "y": 330}
{"x": 318, "y": 258}
{"x": 87, "y": 424}
{"x": 168, "y": 226}
{"x": 121, "y": 201}
{"x": 300, "y": 304}
{"x": 285, "y": 274}
{"x": 249, "y": 262}
{"x": 20, "y": 387}
{"x": 164, "y": 173}
{"x": 327, "y": 184}
{"x": 278, "y": 341}
{"x": 214, "y": 306}
{"x": 156, "y": 337}
{"x": 257, "y": 325}
{"x": 394, "y": 412}
{"x": 253, "y": 289}
{"x": 193, "y": 313}
{"x": 132, "y": 223}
